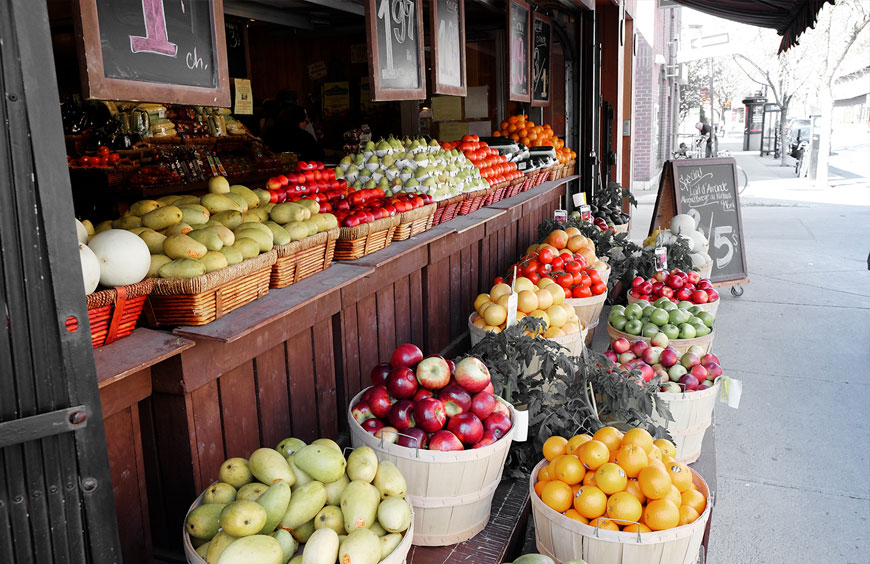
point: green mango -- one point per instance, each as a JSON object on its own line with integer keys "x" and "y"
{"x": 252, "y": 491}
{"x": 157, "y": 261}
{"x": 389, "y": 544}
{"x": 305, "y": 504}
{"x": 321, "y": 462}
{"x": 239, "y": 200}
{"x": 204, "y": 521}
{"x": 287, "y": 542}
{"x": 259, "y": 549}
{"x": 235, "y": 472}
{"x": 275, "y": 502}
{"x": 143, "y": 207}
{"x": 219, "y": 492}
{"x": 290, "y": 445}
{"x": 233, "y": 255}
{"x": 394, "y": 514}
{"x": 243, "y": 518}
{"x": 360, "y": 547}
{"x": 330, "y": 517}
{"x": 224, "y": 232}
{"x": 362, "y": 464}
{"x": 249, "y": 248}
{"x": 194, "y": 216}
{"x": 210, "y": 239}
{"x": 180, "y": 228}
{"x": 218, "y": 544}
{"x": 181, "y": 268}
{"x": 154, "y": 240}
{"x": 268, "y": 466}
{"x": 389, "y": 481}
{"x": 279, "y": 234}
{"x": 229, "y": 218}
{"x": 303, "y": 532}
{"x": 334, "y": 490}
{"x": 202, "y": 550}
{"x": 249, "y": 196}
{"x": 214, "y": 260}
{"x": 127, "y": 222}
{"x": 359, "y": 505}
{"x": 321, "y": 547}
{"x": 161, "y": 218}
{"x": 183, "y": 247}
{"x": 216, "y": 203}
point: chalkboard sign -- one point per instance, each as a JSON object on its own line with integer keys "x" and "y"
{"x": 447, "y": 19}
{"x": 395, "y": 45}
{"x": 237, "y": 56}
{"x": 152, "y": 50}
{"x": 706, "y": 189}
{"x": 519, "y": 51}
{"x": 542, "y": 41}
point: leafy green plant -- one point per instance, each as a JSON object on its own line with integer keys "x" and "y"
{"x": 613, "y": 195}
{"x": 564, "y": 395}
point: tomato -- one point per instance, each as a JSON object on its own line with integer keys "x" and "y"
{"x": 530, "y": 268}
{"x": 578, "y": 277}
{"x": 564, "y": 279}
{"x": 534, "y": 277}
{"x": 581, "y": 292}
{"x": 558, "y": 263}
{"x": 498, "y": 280}
{"x": 85, "y": 161}
{"x": 546, "y": 256}
{"x": 572, "y": 266}
{"x": 598, "y": 289}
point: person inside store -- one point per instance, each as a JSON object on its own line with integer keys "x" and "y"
{"x": 707, "y": 135}
{"x": 290, "y": 134}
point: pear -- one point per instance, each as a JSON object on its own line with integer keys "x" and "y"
{"x": 346, "y": 161}
{"x": 389, "y": 481}
{"x": 369, "y": 147}
{"x": 370, "y": 184}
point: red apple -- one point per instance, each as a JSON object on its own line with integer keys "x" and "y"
{"x": 486, "y": 440}
{"x": 699, "y": 372}
{"x": 472, "y": 374}
{"x": 413, "y": 437}
{"x": 467, "y": 428}
{"x": 372, "y": 425}
{"x": 401, "y": 415}
{"x": 380, "y": 401}
{"x": 388, "y": 434}
{"x": 713, "y": 295}
{"x": 452, "y": 366}
{"x": 502, "y": 408}
{"x": 639, "y": 347}
{"x": 380, "y": 373}
{"x": 498, "y": 424}
{"x": 700, "y": 297}
{"x": 683, "y": 294}
{"x": 620, "y": 345}
{"x": 433, "y": 372}
{"x": 626, "y": 357}
{"x": 402, "y": 383}
{"x": 710, "y": 357}
{"x": 669, "y": 357}
{"x": 430, "y": 414}
{"x": 694, "y": 276}
{"x": 689, "y": 381}
{"x": 456, "y": 399}
{"x": 689, "y": 359}
{"x": 361, "y": 412}
{"x": 713, "y": 369}
{"x": 421, "y": 394}
{"x": 482, "y": 404}
{"x": 406, "y": 355}
{"x": 652, "y": 355}
{"x": 489, "y": 389}
{"x": 612, "y": 356}
{"x": 444, "y": 440}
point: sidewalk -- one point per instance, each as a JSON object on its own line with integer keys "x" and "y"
{"x": 793, "y": 459}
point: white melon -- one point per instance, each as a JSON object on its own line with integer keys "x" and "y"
{"x": 90, "y": 268}
{"x": 124, "y": 257}
{"x": 683, "y": 223}
{"x": 81, "y": 232}
{"x": 699, "y": 239}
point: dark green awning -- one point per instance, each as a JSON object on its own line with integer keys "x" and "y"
{"x": 789, "y": 18}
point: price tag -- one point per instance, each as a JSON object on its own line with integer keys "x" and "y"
{"x": 513, "y": 299}
{"x": 560, "y": 215}
{"x": 731, "y": 391}
{"x": 585, "y": 213}
{"x": 521, "y": 426}
{"x": 661, "y": 259}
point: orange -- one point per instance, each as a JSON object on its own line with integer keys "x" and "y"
{"x": 604, "y": 523}
{"x": 512, "y": 128}
{"x": 504, "y": 124}
{"x": 661, "y": 514}
{"x": 656, "y": 462}
{"x": 610, "y": 436}
{"x": 681, "y": 476}
{"x": 632, "y": 458}
{"x": 572, "y": 514}
{"x": 527, "y": 301}
{"x": 575, "y": 441}
{"x": 554, "y": 446}
{"x": 624, "y": 507}
{"x": 576, "y": 487}
{"x": 539, "y": 487}
{"x": 655, "y": 452}
{"x": 638, "y": 436}
{"x": 610, "y": 478}
{"x": 687, "y": 515}
{"x": 655, "y": 483}
{"x": 557, "y": 495}
{"x": 593, "y": 454}
{"x": 590, "y": 502}
{"x": 633, "y": 488}
{"x": 634, "y": 527}
{"x": 569, "y": 469}
{"x": 544, "y": 474}
{"x": 589, "y": 478}
{"x": 694, "y": 499}
{"x": 666, "y": 446}
{"x": 674, "y": 496}
{"x": 612, "y": 456}
{"x": 667, "y": 459}
{"x": 558, "y": 239}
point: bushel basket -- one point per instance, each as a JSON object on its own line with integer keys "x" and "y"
{"x": 682, "y": 345}
{"x": 301, "y": 259}
{"x": 357, "y": 242}
{"x": 414, "y": 222}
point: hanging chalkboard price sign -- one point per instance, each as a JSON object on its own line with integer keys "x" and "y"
{"x": 237, "y": 56}
{"x": 519, "y": 51}
{"x": 542, "y": 41}
{"x": 395, "y": 48}
{"x": 447, "y": 19}
{"x": 152, "y": 50}
{"x": 706, "y": 189}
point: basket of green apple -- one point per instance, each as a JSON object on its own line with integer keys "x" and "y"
{"x": 683, "y": 325}
{"x": 676, "y": 285}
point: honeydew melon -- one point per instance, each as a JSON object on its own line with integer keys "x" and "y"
{"x": 90, "y": 268}
{"x": 124, "y": 258}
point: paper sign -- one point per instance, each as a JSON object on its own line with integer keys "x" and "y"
{"x": 481, "y": 128}
{"x": 244, "y": 97}
{"x": 513, "y": 301}
{"x": 585, "y": 213}
{"x": 317, "y": 70}
{"x": 560, "y": 215}
{"x": 477, "y": 102}
{"x": 521, "y": 426}
{"x": 336, "y": 97}
{"x": 661, "y": 259}
{"x": 446, "y": 108}
{"x": 731, "y": 391}
{"x": 452, "y": 130}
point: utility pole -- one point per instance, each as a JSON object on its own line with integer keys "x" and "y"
{"x": 712, "y": 115}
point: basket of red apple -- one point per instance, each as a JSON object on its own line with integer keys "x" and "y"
{"x": 682, "y": 325}
{"x": 677, "y": 286}
{"x": 689, "y": 382}
{"x": 443, "y": 428}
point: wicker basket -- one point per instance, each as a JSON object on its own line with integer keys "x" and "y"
{"x": 203, "y": 299}
{"x": 562, "y": 538}
{"x": 447, "y": 209}
{"x": 451, "y": 492}
{"x": 357, "y": 242}
{"x": 113, "y": 313}
{"x": 496, "y": 193}
{"x": 693, "y": 414}
{"x": 301, "y": 259}
{"x": 682, "y": 345}
{"x": 472, "y": 202}
{"x": 414, "y": 222}
{"x": 706, "y": 270}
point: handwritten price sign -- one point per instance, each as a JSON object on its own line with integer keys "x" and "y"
{"x": 395, "y": 43}
{"x": 519, "y": 41}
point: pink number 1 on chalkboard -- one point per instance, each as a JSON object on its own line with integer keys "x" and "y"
{"x": 156, "y": 38}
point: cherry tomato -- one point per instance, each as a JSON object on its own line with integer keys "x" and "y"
{"x": 558, "y": 263}
{"x": 534, "y": 277}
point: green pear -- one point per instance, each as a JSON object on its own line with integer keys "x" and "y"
{"x": 218, "y": 544}
{"x": 389, "y": 481}
{"x": 269, "y": 466}
{"x": 243, "y": 518}
{"x": 275, "y": 502}
{"x": 235, "y": 472}
{"x": 219, "y": 492}
{"x": 261, "y": 549}
{"x": 362, "y": 464}
{"x": 204, "y": 521}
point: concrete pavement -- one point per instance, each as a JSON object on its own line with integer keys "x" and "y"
{"x": 793, "y": 460}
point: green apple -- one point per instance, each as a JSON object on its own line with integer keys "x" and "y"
{"x": 687, "y": 331}
{"x": 671, "y": 331}
{"x": 618, "y": 309}
{"x": 647, "y": 310}
{"x": 678, "y": 316}
{"x": 694, "y": 310}
{"x": 662, "y": 301}
{"x": 685, "y": 305}
{"x": 649, "y": 330}
{"x": 706, "y": 318}
{"x": 701, "y": 329}
{"x": 659, "y": 317}
{"x": 698, "y": 350}
{"x": 643, "y": 303}
{"x": 676, "y": 372}
{"x": 618, "y": 322}
{"x": 633, "y": 311}
{"x": 669, "y": 306}
{"x": 633, "y": 327}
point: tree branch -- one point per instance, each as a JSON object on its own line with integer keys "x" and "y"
{"x": 850, "y": 40}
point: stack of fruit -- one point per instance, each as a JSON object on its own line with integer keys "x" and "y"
{"x": 543, "y": 300}
{"x": 683, "y": 226}
{"x": 494, "y": 167}
{"x": 519, "y": 128}
{"x": 432, "y": 403}
{"x": 264, "y": 507}
{"x": 661, "y": 321}
{"x": 676, "y": 286}
{"x": 617, "y": 481}
{"x": 693, "y": 370}
{"x": 569, "y": 245}
{"x": 412, "y": 166}
{"x": 311, "y": 179}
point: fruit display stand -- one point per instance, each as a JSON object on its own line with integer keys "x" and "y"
{"x": 472, "y": 202}
{"x": 711, "y": 307}
{"x": 563, "y": 538}
{"x": 415, "y": 222}
{"x": 203, "y": 299}
{"x": 300, "y": 259}
{"x": 113, "y": 313}
{"x": 682, "y": 345}
{"x": 451, "y": 492}
{"x": 365, "y": 239}
{"x": 693, "y": 415}
{"x": 447, "y": 209}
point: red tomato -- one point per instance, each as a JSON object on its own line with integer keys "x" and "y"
{"x": 558, "y": 263}
{"x": 564, "y": 279}
{"x": 578, "y": 278}
{"x": 598, "y": 289}
{"x": 581, "y": 292}
{"x": 546, "y": 256}
{"x": 534, "y": 277}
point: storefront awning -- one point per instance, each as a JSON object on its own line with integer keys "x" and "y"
{"x": 789, "y": 18}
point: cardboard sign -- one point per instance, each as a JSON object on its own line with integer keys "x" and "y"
{"x": 244, "y": 97}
